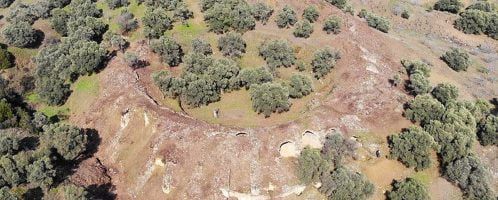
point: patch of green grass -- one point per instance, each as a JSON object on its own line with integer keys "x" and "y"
{"x": 22, "y": 53}
{"x": 423, "y": 176}
{"x": 87, "y": 85}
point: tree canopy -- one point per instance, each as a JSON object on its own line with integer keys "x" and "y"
{"x": 408, "y": 189}
{"x": 412, "y": 147}
{"x": 269, "y": 98}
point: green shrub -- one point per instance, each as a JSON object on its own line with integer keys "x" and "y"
{"x": 323, "y": 61}
{"x": 478, "y": 22}
{"x": 300, "y": 86}
{"x": 182, "y": 13}
{"x": 113, "y": 4}
{"x": 9, "y": 143}
{"x": 454, "y": 140}
{"x": 332, "y": 25}
{"x": 262, "y": 12}
{"x": 5, "y": 59}
{"x": 419, "y": 84}
{"x": 197, "y": 63}
{"x": 199, "y": 90}
{"x": 303, "y": 29}
{"x": 416, "y": 66}
{"x": 269, "y": 98}
{"x": 232, "y": 44}
{"x": 408, "y": 189}
{"x": 171, "y": 52}
{"x": 170, "y": 86}
{"x": 286, "y": 18}
{"x": 405, "y": 14}
{"x": 456, "y": 59}
{"x": 6, "y": 3}
{"x": 277, "y": 53}
{"x": 338, "y": 3}
{"x": 224, "y": 72}
{"x": 412, "y": 148}
{"x": 488, "y": 131}
{"x": 485, "y": 6}
{"x": 311, "y": 165}
{"x": 445, "y": 92}
{"x": 452, "y": 6}
{"x": 72, "y": 191}
{"x": 344, "y": 184}
{"x": 311, "y": 13}
{"x": 41, "y": 172}
{"x": 127, "y": 22}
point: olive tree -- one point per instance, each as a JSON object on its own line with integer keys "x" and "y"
{"x": 250, "y": 76}
{"x": 199, "y": 90}
{"x": 72, "y": 191}
{"x": 197, "y": 63}
{"x": 20, "y": 34}
{"x": 170, "y": 86}
{"x": 261, "y": 12}
{"x": 286, "y": 18}
{"x": 224, "y": 74}
{"x": 127, "y": 22}
{"x": 445, "y": 92}
{"x": 201, "y": 46}
{"x": 229, "y": 15}
{"x": 232, "y": 44}
{"x": 336, "y": 147}
{"x": 182, "y": 13}
{"x": 41, "y": 172}
{"x": 114, "y": 40}
{"x": 311, "y": 13}
{"x": 6, "y": 194}
{"x": 323, "y": 61}
{"x": 344, "y": 184}
{"x": 300, "y": 86}
{"x": 303, "y": 29}
{"x": 423, "y": 109}
{"x": 456, "y": 59}
{"x": 156, "y": 22}
{"x": 412, "y": 147}
{"x": 475, "y": 21}
{"x": 277, "y": 53}
{"x": 170, "y": 51}
{"x": 485, "y": 6}
{"x": 132, "y": 60}
{"x": 9, "y": 143}
{"x": 12, "y": 169}
{"x": 268, "y": 98}
{"x": 311, "y": 165}
{"x": 69, "y": 141}
{"x": 408, "y": 189}
{"x": 341, "y": 4}
{"x": 332, "y": 25}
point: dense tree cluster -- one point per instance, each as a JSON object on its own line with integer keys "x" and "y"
{"x": 262, "y": 12}
{"x": 225, "y": 15}
{"x": 268, "y": 98}
{"x": 170, "y": 51}
{"x": 323, "y": 61}
{"x": 419, "y": 73}
{"x": 232, "y": 44}
{"x": 374, "y": 21}
{"x": 408, "y": 189}
{"x": 485, "y": 6}
{"x": 277, "y": 53}
{"x": 470, "y": 175}
{"x": 32, "y": 157}
{"x": 456, "y": 59}
{"x": 286, "y": 18}
{"x": 478, "y": 21}
{"x": 412, "y": 147}
{"x": 325, "y": 166}
{"x": 303, "y": 29}
{"x": 452, "y": 6}
{"x": 453, "y": 125}
{"x": 332, "y": 25}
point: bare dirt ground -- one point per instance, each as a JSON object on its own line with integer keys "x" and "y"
{"x": 150, "y": 151}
